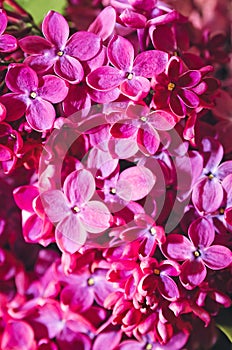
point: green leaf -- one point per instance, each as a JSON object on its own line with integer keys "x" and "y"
{"x": 39, "y": 8}
{"x": 224, "y": 322}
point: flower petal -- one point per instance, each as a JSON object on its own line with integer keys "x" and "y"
{"x": 138, "y": 179}
{"x": 168, "y": 288}
{"x": 189, "y": 79}
{"x": 148, "y": 140}
{"x": 189, "y": 98}
{"x": 79, "y": 186}
{"x": 55, "y": 28}
{"x": 18, "y": 335}
{"x": 72, "y": 228}
{"x": 8, "y": 43}
{"x": 207, "y": 195}
{"x": 83, "y": 45}
{"x": 15, "y": 108}
{"x": 55, "y": 205}
{"x": 104, "y": 78}
{"x": 21, "y": 78}
{"x": 69, "y": 68}
{"x": 40, "y": 115}
{"x": 149, "y": 64}
{"x": 162, "y": 120}
{"x": 177, "y": 247}
{"x": 217, "y": 257}
{"x": 42, "y": 63}
{"x": 53, "y": 89}
{"x": 136, "y": 88}
{"x": 121, "y": 53}
{"x": 104, "y": 23}
{"x": 24, "y": 196}
{"x": 95, "y": 217}
{"x": 34, "y": 44}
{"x": 3, "y": 21}
{"x": 173, "y": 69}
{"x": 193, "y": 273}
{"x": 123, "y": 129}
{"x": 201, "y": 232}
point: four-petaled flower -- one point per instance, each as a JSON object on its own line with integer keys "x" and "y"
{"x": 59, "y": 51}
{"x": 128, "y": 74}
{"x": 32, "y": 96}
{"x": 73, "y": 211}
{"x": 197, "y": 253}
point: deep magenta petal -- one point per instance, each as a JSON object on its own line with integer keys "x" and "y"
{"x": 15, "y": 107}
{"x": 42, "y": 63}
{"x": 21, "y": 78}
{"x": 17, "y": 335}
{"x": 207, "y": 195}
{"x": 201, "y": 232}
{"x": 173, "y": 69}
{"x": 177, "y": 106}
{"x": 104, "y": 23}
{"x": 33, "y": 44}
{"x": 104, "y": 96}
{"x": 55, "y": 29}
{"x": 133, "y": 19}
{"x": 177, "y": 247}
{"x": 104, "y": 78}
{"x": 193, "y": 273}
{"x": 3, "y": 21}
{"x": 8, "y": 43}
{"x": 217, "y": 257}
{"x": 121, "y": 53}
{"x": 149, "y": 64}
{"x": 83, "y": 45}
{"x": 40, "y": 115}
{"x": 163, "y": 39}
{"x": 5, "y": 153}
{"x": 189, "y": 78}
{"x": 24, "y": 196}
{"x": 124, "y": 129}
{"x": 168, "y": 288}
{"x": 189, "y": 98}
{"x": 79, "y": 186}
{"x": 53, "y": 89}
{"x": 69, "y": 68}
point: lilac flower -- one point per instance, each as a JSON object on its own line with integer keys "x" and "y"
{"x": 8, "y": 42}
{"x": 73, "y": 211}
{"x": 197, "y": 253}
{"x": 59, "y": 51}
{"x": 157, "y": 276}
{"x": 175, "y": 88}
{"x": 128, "y": 74}
{"x": 32, "y": 96}
{"x": 18, "y": 335}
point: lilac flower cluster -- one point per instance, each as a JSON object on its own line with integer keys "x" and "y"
{"x": 116, "y": 176}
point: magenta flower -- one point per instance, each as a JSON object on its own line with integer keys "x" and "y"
{"x": 73, "y": 211}
{"x": 175, "y": 88}
{"x": 128, "y": 74}
{"x": 18, "y": 335}
{"x": 157, "y": 276}
{"x": 32, "y": 96}
{"x": 142, "y": 124}
{"x": 8, "y": 42}
{"x": 197, "y": 253}
{"x": 59, "y": 51}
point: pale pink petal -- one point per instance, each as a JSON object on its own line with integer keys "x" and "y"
{"x": 149, "y": 64}
{"x": 137, "y": 88}
{"x": 72, "y": 229}
{"x": 104, "y": 23}
{"x": 162, "y": 120}
{"x": 40, "y": 115}
{"x": 138, "y": 179}
{"x": 95, "y": 217}
{"x": 217, "y": 257}
{"x": 79, "y": 186}
{"x": 53, "y": 89}
{"x": 21, "y": 78}
{"x": 33, "y": 44}
{"x": 121, "y": 53}
{"x": 83, "y": 45}
{"x": 65, "y": 244}
{"x": 105, "y": 78}
{"x": 55, "y": 28}
{"x": 69, "y": 68}
{"x": 148, "y": 140}
{"x": 55, "y": 205}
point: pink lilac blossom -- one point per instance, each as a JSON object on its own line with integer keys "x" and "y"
{"x": 115, "y": 180}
